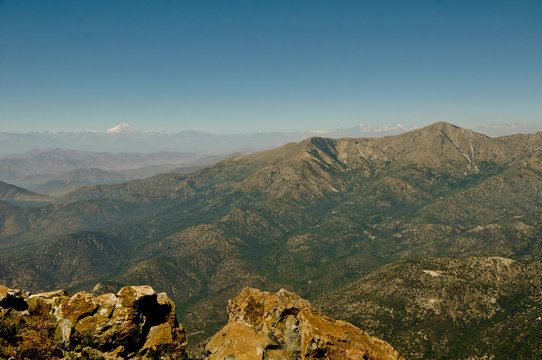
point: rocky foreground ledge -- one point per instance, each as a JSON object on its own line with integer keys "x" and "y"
{"x": 138, "y": 323}
{"x": 282, "y": 325}
{"x": 134, "y": 323}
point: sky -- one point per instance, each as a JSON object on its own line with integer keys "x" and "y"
{"x": 230, "y": 66}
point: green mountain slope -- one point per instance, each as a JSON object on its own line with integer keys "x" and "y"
{"x": 19, "y": 196}
{"x": 309, "y": 216}
{"x": 448, "y": 308}
{"x": 69, "y": 261}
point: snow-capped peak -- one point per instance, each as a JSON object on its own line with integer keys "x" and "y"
{"x": 318, "y": 131}
{"x": 384, "y": 128}
{"x": 124, "y": 127}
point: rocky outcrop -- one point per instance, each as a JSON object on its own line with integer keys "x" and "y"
{"x": 136, "y": 322}
{"x": 282, "y": 325}
{"x": 13, "y": 299}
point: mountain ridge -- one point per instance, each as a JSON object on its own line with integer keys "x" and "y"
{"x": 20, "y": 196}
{"x": 308, "y": 216}
{"x": 57, "y": 171}
{"x": 200, "y": 142}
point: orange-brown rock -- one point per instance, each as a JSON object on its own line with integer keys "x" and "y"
{"x": 10, "y": 298}
{"x": 128, "y": 324}
{"x": 282, "y": 325}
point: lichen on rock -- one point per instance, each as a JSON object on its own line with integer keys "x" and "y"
{"x": 129, "y": 324}
{"x": 282, "y": 325}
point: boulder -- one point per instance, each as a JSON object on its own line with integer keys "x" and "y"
{"x": 282, "y": 325}
{"x": 13, "y": 298}
{"x": 127, "y": 324}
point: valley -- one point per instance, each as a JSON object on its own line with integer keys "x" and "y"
{"x": 371, "y": 229}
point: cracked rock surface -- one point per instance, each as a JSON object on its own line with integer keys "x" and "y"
{"x": 129, "y": 324}
{"x": 282, "y": 325}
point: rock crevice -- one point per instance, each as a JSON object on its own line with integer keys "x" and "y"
{"x": 128, "y": 324}
{"x": 281, "y": 325}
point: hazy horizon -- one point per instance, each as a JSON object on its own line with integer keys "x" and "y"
{"x": 243, "y": 67}
{"x": 490, "y": 129}
{"x": 125, "y": 138}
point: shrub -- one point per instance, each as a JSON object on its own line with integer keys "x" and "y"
{"x": 8, "y": 328}
{"x": 36, "y": 345}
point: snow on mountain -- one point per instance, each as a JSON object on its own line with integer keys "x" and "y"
{"x": 386, "y": 128}
{"x": 125, "y": 138}
{"x": 121, "y": 128}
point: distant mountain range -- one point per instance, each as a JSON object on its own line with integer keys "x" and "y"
{"x": 19, "y": 196}
{"x": 323, "y": 217}
{"x": 57, "y": 171}
{"x": 125, "y": 138}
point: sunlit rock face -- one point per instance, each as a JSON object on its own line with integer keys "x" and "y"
{"x": 134, "y": 322}
{"x": 282, "y": 325}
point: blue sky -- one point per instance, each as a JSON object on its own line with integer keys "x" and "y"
{"x": 242, "y": 66}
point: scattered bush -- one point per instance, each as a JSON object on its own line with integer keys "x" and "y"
{"x": 8, "y": 328}
{"x": 36, "y": 345}
{"x": 166, "y": 351}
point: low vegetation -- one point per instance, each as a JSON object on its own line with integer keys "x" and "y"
{"x": 312, "y": 217}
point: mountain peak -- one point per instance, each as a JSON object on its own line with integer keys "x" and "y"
{"x": 121, "y": 128}
{"x": 443, "y": 126}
